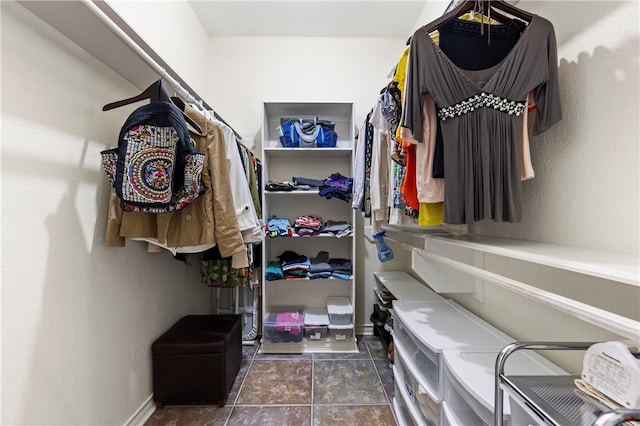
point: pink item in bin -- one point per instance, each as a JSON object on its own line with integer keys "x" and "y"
{"x": 289, "y": 322}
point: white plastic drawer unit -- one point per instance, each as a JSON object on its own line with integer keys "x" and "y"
{"x": 469, "y": 385}
{"x": 424, "y": 410}
{"x": 423, "y": 329}
{"x": 403, "y": 408}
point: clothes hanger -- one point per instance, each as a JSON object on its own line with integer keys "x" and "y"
{"x": 180, "y": 104}
{"x": 152, "y": 92}
{"x": 469, "y": 5}
{"x": 149, "y": 92}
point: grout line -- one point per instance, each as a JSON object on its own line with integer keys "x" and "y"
{"x": 389, "y": 400}
{"x": 235, "y": 401}
{"x": 313, "y": 372}
{"x": 313, "y": 405}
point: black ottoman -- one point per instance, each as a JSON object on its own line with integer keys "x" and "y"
{"x": 197, "y": 360}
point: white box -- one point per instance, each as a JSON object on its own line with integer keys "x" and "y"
{"x": 340, "y": 310}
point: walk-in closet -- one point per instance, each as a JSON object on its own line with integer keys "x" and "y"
{"x": 367, "y": 212}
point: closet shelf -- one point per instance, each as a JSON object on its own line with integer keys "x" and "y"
{"x": 304, "y": 152}
{"x": 310, "y": 279}
{"x": 301, "y": 192}
{"x": 615, "y": 266}
{"x": 314, "y": 236}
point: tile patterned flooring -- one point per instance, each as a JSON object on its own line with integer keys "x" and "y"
{"x": 300, "y": 390}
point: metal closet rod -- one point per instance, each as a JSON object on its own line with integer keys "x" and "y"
{"x": 109, "y": 17}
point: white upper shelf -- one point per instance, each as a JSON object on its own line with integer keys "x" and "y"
{"x": 614, "y": 266}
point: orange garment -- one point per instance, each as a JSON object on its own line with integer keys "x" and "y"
{"x": 409, "y": 189}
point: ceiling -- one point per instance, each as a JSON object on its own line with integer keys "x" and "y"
{"x": 308, "y": 18}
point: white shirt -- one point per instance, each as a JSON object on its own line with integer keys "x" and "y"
{"x": 243, "y": 202}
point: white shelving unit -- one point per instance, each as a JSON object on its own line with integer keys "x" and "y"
{"x": 455, "y": 265}
{"x": 281, "y": 164}
{"x": 403, "y": 286}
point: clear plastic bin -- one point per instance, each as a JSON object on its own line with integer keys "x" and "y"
{"x": 341, "y": 332}
{"x": 284, "y": 326}
{"x": 316, "y": 323}
{"x": 340, "y": 310}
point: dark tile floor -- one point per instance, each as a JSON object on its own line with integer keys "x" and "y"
{"x": 305, "y": 390}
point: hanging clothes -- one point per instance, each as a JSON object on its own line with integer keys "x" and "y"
{"x": 218, "y": 271}
{"x": 380, "y": 159}
{"x": 480, "y": 112}
{"x": 209, "y": 221}
{"x": 430, "y": 190}
{"x": 245, "y": 210}
{"x": 358, "y": 169}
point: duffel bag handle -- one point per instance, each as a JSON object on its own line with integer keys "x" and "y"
{"x": 306, "y": 136}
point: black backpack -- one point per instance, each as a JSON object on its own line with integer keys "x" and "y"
{"x": 155, "y": 167}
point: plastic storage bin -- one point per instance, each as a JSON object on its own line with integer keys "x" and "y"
{"x": 469, "y": 386}
{"x": 424, "y": 329}
{"x": 404, "y": 402}
{"x": 340, "y": 310}
{"x": 284, "y": 326}
{"x": 341, "y": 332}
{"x": 316, "y": 323}
{"x": 423, "y": 404}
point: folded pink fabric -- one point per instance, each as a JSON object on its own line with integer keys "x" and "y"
{"x": 290, "y": 322}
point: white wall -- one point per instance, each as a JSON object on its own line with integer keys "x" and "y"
{"x": 172, "y": 29}
{"x": 78, "y": 318}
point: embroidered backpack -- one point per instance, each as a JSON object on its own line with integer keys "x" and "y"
{"x": 155, "y": 167}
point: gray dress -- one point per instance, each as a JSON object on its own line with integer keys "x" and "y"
{"x": 481, "y": 119}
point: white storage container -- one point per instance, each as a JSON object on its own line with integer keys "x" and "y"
{"x": 447, "y": 416}
{"x": 284, "y": 326}
{"x": 426, "y": 409}
{"x": 424, "y": 329}
{"x": 316, "y": 323}
{"x": 340, "y": 310}
{"x": 340, "y": 332}
{"x": 469, "y": 386}
{"x": 404, "y": 408}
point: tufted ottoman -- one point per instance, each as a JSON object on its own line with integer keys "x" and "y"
{"x": 197, "y": 360}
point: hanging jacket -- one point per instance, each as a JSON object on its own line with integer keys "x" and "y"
{"x": 209, "y": 220}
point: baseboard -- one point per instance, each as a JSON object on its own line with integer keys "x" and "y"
{"x": 364, "y": 330}
{"x": 143, "y": 413}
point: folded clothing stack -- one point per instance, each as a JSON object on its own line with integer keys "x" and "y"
{"x": 337, "y": 186}
{"x": 308, "y": 225}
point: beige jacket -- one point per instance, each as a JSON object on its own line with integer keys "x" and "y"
{"x": 210, "y": 219}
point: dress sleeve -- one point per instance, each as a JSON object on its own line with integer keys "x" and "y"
{"x": 547, "y": 95}
{"x": 413, "y": 91}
